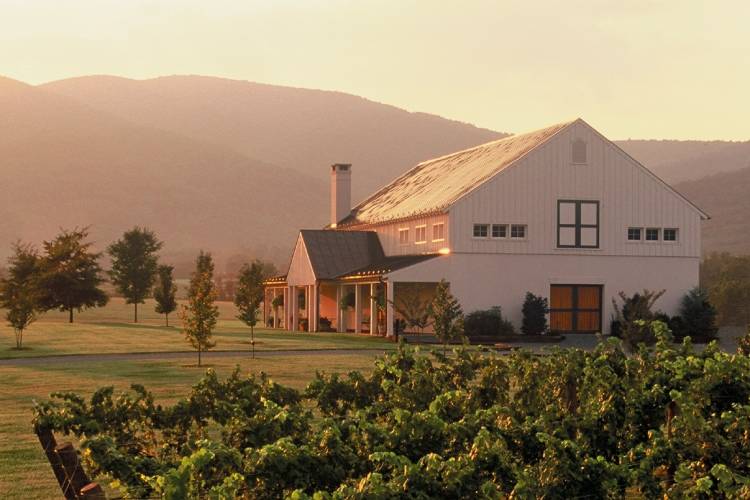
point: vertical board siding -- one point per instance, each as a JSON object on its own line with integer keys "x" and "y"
{"x": 388, "y": 235}
{"x": 527, "y": 193}
{"x": 300, "y": 270}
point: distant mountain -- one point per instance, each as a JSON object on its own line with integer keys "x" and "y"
{"x": 233, "y": 167}
{"x": 726, "y": 198}
{"x": 678, "y": 161}
{"x": 237, "y": 167}
{"x": 300, "y": 129}
{"x": 66, "y": 164}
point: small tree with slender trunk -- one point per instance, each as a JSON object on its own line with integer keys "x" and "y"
{"x": 134, "y": 265}
{"x": 413, "y": 304}
{"x": 448, "y": 318}
{"x": 165, "y": 292}
{"x": 70, "y": 275}
{"x": 249, "y": 296}
{"x": 19, "y": 292}
{"x": 200, "y": 314}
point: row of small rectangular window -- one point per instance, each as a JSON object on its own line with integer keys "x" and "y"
{"x": 652, "y": 234}
{"x": 517, "y": 231}
{"x": 420, "y": 233}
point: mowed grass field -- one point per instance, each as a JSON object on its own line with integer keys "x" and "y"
{"x": 24, "y": 471}
{"x": 111, "y": 329}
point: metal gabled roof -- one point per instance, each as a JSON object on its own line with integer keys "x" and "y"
{"x": 434, "y": 185}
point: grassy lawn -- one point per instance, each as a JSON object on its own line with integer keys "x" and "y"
{"x": 110, "y": 330}
{"x": 24, "y": 471}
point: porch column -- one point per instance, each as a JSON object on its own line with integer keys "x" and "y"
{"x": 389, "y": 309}
{"x": 373, "y": 310}
{"x": 339, "y": 312}
{"x": 286, "y": 310}
{"x": 357, "y": 308}
{"x": 315, "y": 308}
{"x": 295, "y": 309}
{"x": 310, "y": 304}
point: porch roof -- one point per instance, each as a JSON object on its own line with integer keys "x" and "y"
{"x": 275, "y": 280}
{"x": 335, "y": 253}
{"x": 387, "y": 265}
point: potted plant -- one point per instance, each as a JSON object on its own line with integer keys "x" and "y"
{"x": 277, "y": 303}
{"x": 347, "y": 302}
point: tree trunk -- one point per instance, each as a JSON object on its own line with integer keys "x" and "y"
{"x": 252, "y": 340}
{"x": 70, "y": 317}
{"x": 136, "y": 313}
{"x": 166, "y": 316}
{"x": 199, "y": 356}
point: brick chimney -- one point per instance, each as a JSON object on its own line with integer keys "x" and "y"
{"x": 341, "y": 191}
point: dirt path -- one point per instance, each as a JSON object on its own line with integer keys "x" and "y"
{"x": 146, "y": 356}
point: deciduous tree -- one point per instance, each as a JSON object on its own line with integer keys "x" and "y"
{"x": 249, "y": 296}
{"x": 447, "y": 315}
{"x": 70, "y": 274}
{"x": 19, "y": 292}
{"x": 200, "y": 314}
{"x": 165, "y": 292}
{"x": 134, "y": 265}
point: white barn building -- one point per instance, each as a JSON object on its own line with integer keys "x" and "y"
{"x": 561, "y": 212}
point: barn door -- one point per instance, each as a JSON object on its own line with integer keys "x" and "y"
{"x": 575, "y": 308}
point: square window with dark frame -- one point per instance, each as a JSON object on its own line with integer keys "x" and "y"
{"x": 577, "y": 224}
{"x": 634, "y": 233}
{"x": 499, "y": 230}
{"x": 517, "y": 231}
{"x": 670, "y": 234}
{"x": 480, "y": 230}
{"x": 652, "y": 234}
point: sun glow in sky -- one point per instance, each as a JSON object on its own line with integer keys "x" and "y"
{"x": 642, "y": 69}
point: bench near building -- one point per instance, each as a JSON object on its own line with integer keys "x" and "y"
{"x": 561, "y": 212}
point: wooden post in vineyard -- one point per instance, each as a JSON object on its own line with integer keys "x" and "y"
{"x": 66, "y": 465}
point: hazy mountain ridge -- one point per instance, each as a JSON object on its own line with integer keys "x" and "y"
{"x": 237, "y": 167}
{"x": 678, "y": 161}
{"x": 725, "y": 197}
{"x": 68, "y": 165}
{"x": 301, "y": 129}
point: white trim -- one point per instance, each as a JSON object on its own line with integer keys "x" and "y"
{"x": 401, "y": 231}
{"x": 507, "y": 232}
{"x": 658, "y": 235}
{"x": 442, "y": 231}
{"x": 417, "y": 241}
{"x": 486, "y": 225}
{"x": 516, "y": 238}
{"x": 642, "y": 234}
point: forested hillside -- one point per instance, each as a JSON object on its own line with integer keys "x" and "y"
{"x": 238, "y": 167}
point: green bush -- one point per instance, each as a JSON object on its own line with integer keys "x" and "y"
{"x": 487, "y": 323}
{"x": 633, "y": 316}
{"x": 535, "y": 311}
{"x": 697, "y": 317}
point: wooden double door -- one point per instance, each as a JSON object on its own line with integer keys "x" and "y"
{"x": 575, "y": 308}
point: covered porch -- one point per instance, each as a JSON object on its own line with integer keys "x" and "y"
{"x": 345, "y": 306}
{"x": 340, "y": 281}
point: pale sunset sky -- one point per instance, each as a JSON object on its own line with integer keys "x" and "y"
{"x": 633, "y": 68}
